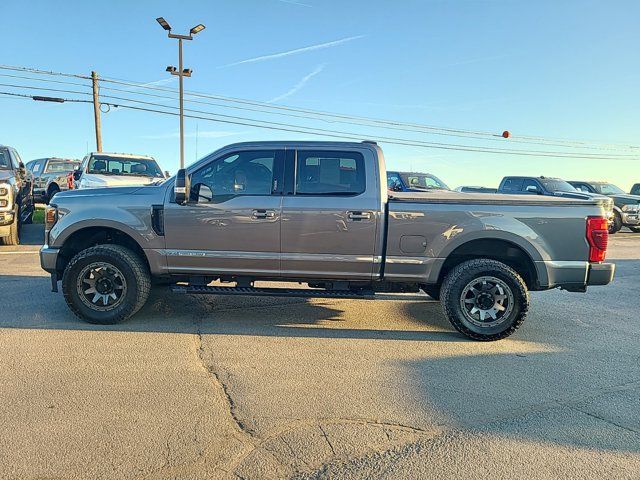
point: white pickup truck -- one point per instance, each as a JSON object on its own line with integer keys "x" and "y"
{"x": 100, "y": 169}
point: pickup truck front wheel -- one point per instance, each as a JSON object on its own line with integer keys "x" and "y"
{"x": 106, "y": 284}
{"x": 485, "y": 299}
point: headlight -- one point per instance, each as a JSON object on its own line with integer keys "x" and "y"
{"x": 4, "y": 191}
{"x": 631, "y": 208}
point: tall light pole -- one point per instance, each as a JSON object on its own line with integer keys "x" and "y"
{"x": 180, "y": 72}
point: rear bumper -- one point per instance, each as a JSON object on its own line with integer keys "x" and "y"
{"x": 601, "y": 273}
{"x": 573, "y": 275}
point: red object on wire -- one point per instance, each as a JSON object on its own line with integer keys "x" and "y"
{"x": 506, "y": 134}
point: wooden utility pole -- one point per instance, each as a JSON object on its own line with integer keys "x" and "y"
{"x": 96, "y": 111}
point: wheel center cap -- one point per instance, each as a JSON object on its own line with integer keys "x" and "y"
{"x": 485, "y": 301}
{"x": 104, "y": 286}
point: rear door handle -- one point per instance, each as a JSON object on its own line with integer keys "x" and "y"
{"x": 263, "y": 214}
{"x": 359, "y": 215}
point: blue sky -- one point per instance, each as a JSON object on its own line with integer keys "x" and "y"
{"x": 565, "y": 69}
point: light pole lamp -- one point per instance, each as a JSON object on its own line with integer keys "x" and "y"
{"x": 181, "y": 72}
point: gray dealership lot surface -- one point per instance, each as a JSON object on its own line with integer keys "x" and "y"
{"x": 207, "y": 387}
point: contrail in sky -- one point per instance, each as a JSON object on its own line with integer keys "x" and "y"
{"x": 310, "y": 48}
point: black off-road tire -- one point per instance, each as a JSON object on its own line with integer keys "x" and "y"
{"x": 616, "y": 225}
{"x": 52, "y": 192}
{"x": 452, "y": 291}
{"x": 134, "y": 270}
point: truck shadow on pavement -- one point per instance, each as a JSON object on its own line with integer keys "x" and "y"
{"x": 34, "y": 306}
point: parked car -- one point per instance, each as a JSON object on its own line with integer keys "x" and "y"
{"x": 16, "y": 196}
{"x": 319, "y": 213}
{"x": 100, "y": 169}
{"x": 635, "y": 190}
{"x": 626, "y": 206}
{"x": 473, "y": 189}
{"x": 413, "y": 182}
{"x": 554, "y": 187}
{"x": 51, "y": 176}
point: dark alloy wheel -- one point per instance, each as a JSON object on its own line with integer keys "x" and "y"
{"x": 485, "y": 299}
{"x": 106, "y": 284}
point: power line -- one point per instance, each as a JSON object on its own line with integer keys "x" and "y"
{"x": 222, "y": 118}
{"x": 568, "y": 143}
{"x": 360, "y": 121}
{"x": 327, "y": 131}
{"x": 388, "y": 123}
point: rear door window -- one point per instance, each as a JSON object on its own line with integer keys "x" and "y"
{"x": 329, "y": 173}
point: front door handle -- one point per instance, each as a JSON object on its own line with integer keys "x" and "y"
{"x": 258, "y": 214}
{"x": 359, "y": 215}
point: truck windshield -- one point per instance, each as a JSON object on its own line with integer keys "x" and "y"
{"x": 4, "y": 160}
{"x": 607, "y": 189}
{"x": 557, "y": 185}
{"x": 424, "y": 181}
{"x": 59, "y": 166}
{"x": 106, "y": 165}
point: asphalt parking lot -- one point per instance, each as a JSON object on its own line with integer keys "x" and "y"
{"x": 219, "y": 387}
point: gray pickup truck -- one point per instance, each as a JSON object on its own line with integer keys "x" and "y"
{"x": 319, "y": 213}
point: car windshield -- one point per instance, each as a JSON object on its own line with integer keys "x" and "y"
{"x": 55, "y": 166}
{"x": 607, "y": 189}
{"x": 4, "y": 160}
{"x": 556, "y": 185}
{"x": 423, "y": 181}
{"x": 106, "y": 165}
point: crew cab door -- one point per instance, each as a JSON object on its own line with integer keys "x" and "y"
{"x": 231, "y": 223}
{"x": 330, "y": 214}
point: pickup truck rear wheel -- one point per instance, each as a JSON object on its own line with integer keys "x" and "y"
{"x": 106, "y": 284}
{"x": 485, "y": 299}
{"x": 616, "y": 223}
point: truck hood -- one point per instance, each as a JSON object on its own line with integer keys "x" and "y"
{"x": 93, "y": 192}
{"x": 5, "y": 175}
{"x": 625, "y": 199}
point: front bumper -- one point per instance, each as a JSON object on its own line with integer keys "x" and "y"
{"x": 632, "y": 219}
{"x": 49, "y": 258}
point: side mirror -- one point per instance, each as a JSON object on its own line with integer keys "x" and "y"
{"x": 532, "y": 189}
{"x": 166, "y": 174}
{"x": 182, "y": 188}
{"x": 22, "y": 168}
{"x": 77, "y": 173}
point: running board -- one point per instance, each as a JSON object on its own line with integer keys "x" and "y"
{"x": 274, "y": 292}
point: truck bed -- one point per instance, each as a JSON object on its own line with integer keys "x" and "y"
{"x": 450, "y": 197}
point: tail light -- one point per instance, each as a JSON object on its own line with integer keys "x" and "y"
{"x": 598, "y": 238}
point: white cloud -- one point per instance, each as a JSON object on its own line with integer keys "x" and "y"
{"x": 310, "y": 48}
{"x": 300, "y": 85}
